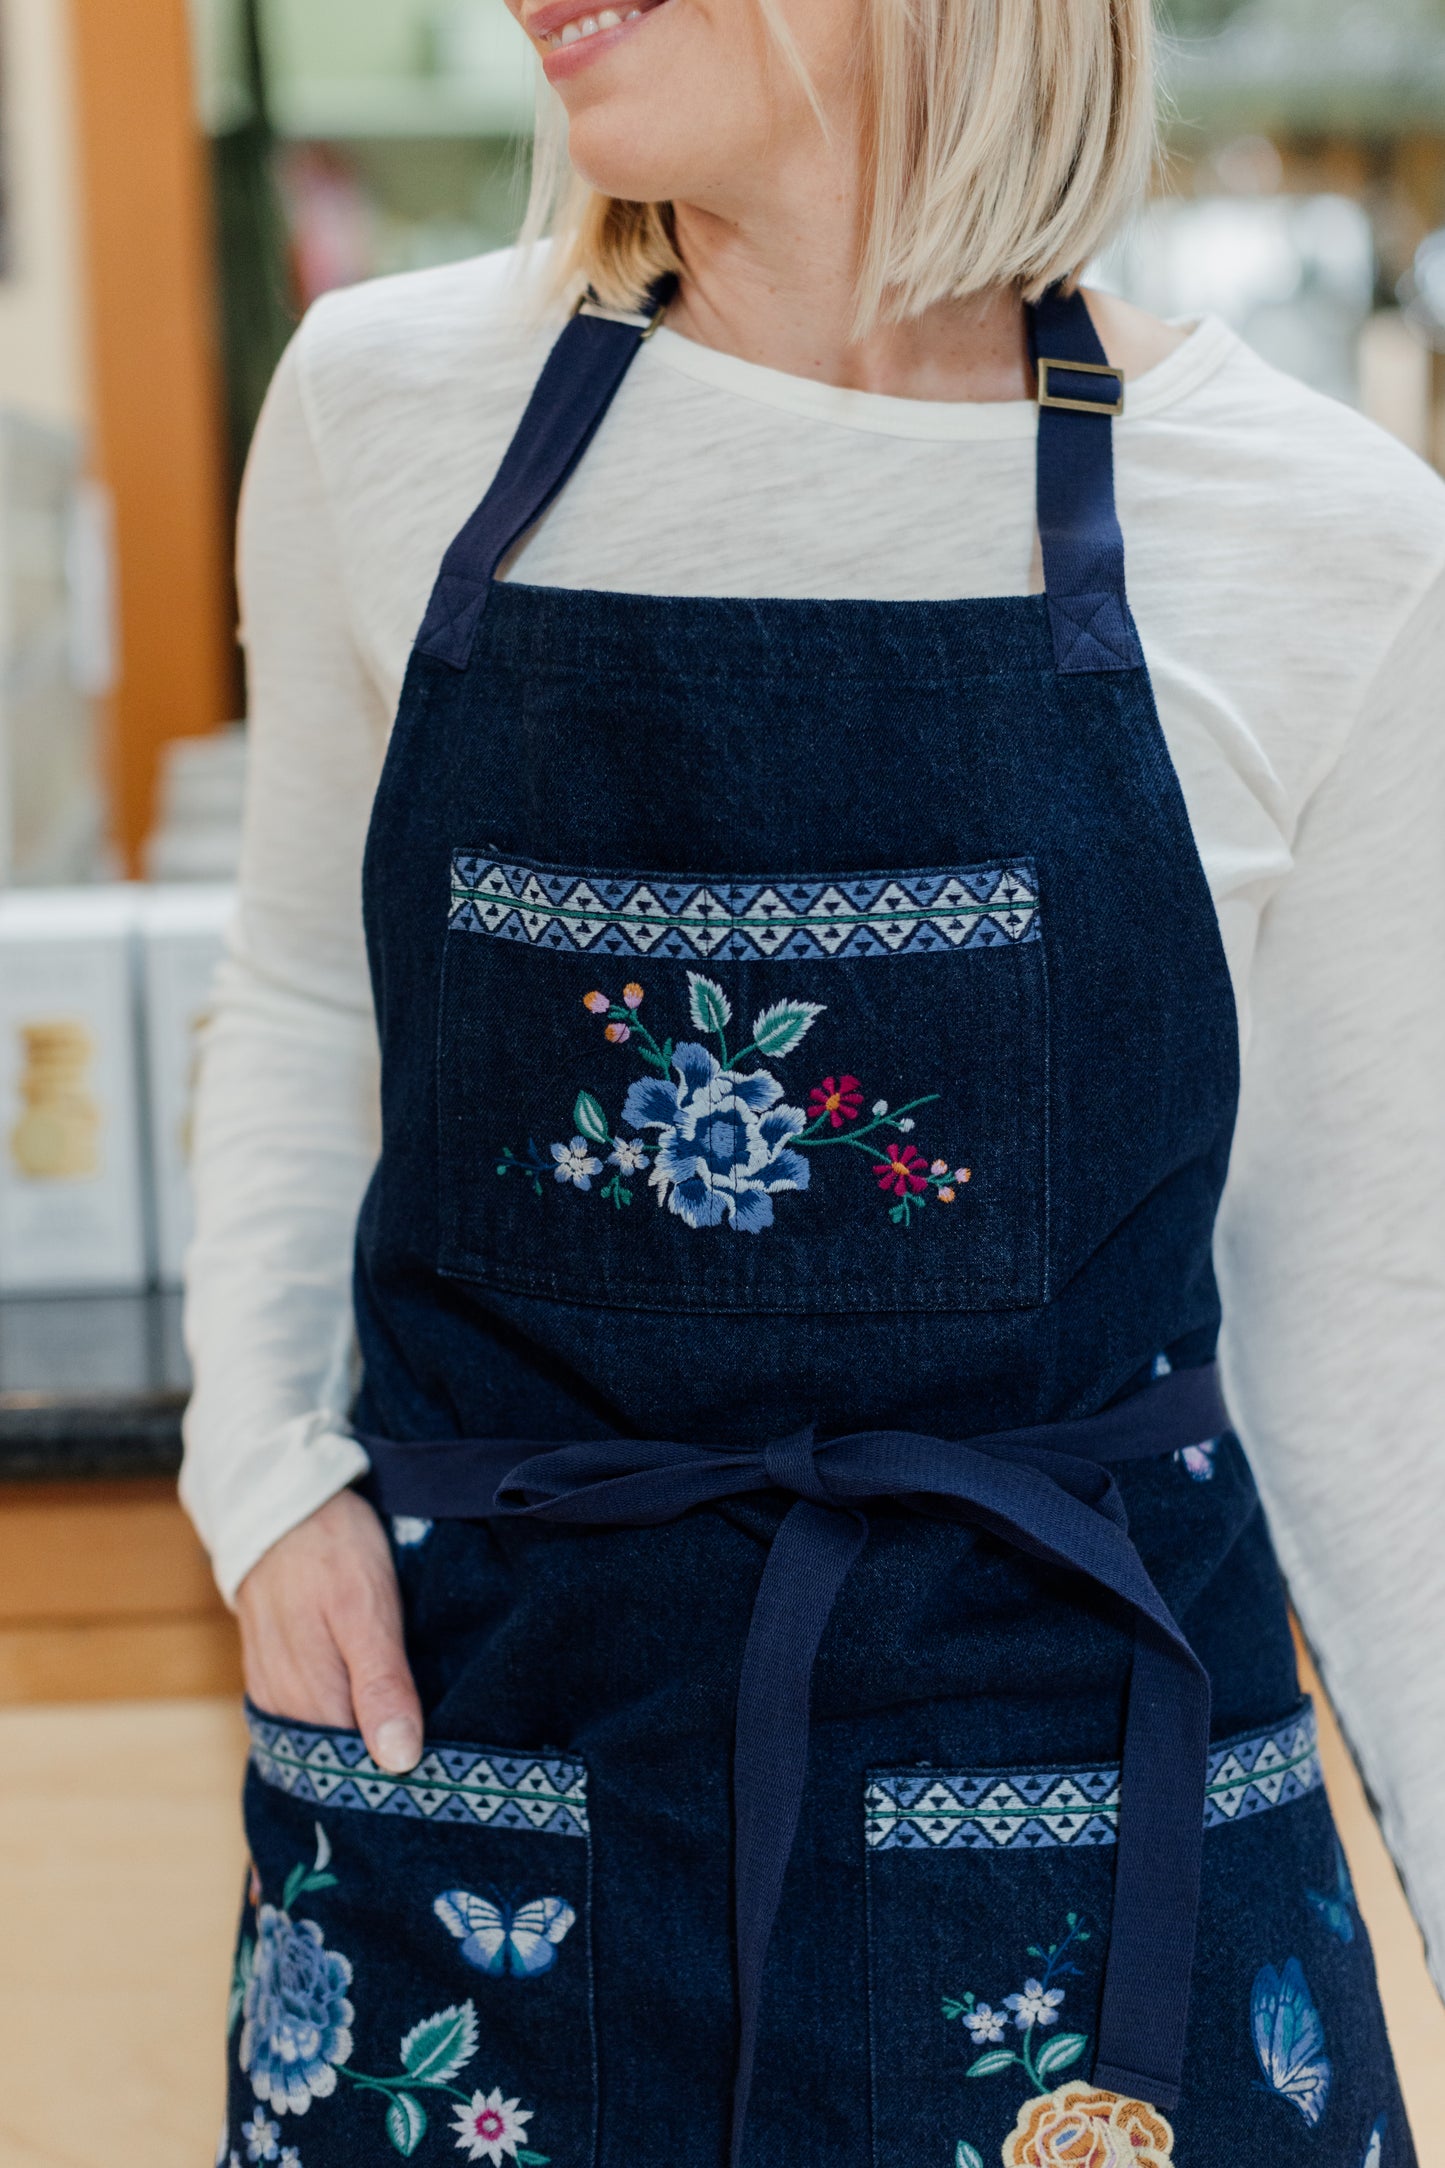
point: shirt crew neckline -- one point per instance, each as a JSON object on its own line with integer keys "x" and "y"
{"x": 1205, "y": 349}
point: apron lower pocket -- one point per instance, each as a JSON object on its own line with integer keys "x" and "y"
{"x": 414, "y": 1968}
{"x": 989, "y": 1898}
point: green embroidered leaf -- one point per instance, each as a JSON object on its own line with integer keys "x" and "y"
{"x": 708, "y": 1005}
{"x": 952, "y": 2008}
{"x": 1060, "y": 2053}
{"x": 590, "y": 1120}
{"x": 967, "y": 2156}
{"x": 987, "y": 2065}
{"x": 435, "y": 2050}
{"x": 776, "y": 1031}
{"x": 317, "y": 1881}
{"x": 405, "y": 2123}
{"x": 240, "y": 1981}
{"x": 295, "y": 1883}
{"x": 542, "y": 2160}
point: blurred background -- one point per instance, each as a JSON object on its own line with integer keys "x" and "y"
{"x": 177, "y": 182}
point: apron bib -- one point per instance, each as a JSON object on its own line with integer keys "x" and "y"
{"x": 862, "y": 1722}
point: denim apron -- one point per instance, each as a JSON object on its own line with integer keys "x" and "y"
{"x": 862, "y": 1721}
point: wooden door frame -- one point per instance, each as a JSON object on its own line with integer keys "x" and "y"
{"x": 155, "y": 386}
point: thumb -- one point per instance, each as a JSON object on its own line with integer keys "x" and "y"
{"x": 384, "y": 1698}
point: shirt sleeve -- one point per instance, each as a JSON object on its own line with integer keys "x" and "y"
{"x": 287, "y": 1120}
{"x": 1331, "y": 1245}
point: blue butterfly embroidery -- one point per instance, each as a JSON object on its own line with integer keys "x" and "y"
{"x": 1289, "y": 2039}
{"x": 1337, "y": 1911}
{"x": 1375, "y": 2150}
{"x": 500, "y": 1938}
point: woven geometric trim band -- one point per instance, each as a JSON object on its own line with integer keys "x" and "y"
{"x": 449, "y": 1784}
{"x": 996, "y": 1810}
{"x": 817, "y": 919}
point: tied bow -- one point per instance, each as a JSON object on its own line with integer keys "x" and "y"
{"x": 1045, "y": 1491}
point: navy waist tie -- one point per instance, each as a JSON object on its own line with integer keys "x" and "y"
{"x": 1045, "y": 1491}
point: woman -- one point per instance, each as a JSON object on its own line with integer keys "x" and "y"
{"x": 784, "y": 1661}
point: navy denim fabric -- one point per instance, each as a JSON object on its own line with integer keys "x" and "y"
{"x": 1086, "y": 1077}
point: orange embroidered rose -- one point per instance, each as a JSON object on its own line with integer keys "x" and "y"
{"x": 1078, "y": 2126}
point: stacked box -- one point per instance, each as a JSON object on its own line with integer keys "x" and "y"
{"x": 182, "y": 928}
{"x": 72, "y": 1191}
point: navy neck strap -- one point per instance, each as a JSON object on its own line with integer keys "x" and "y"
{"x": 1083, "y": 547}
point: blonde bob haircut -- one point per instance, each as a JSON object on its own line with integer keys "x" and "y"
{"x": 1007, "y": 140}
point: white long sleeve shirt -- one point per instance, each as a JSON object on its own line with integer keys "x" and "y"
{"x": 1287, "y": 571}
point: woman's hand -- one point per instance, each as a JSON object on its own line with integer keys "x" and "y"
{"x": 321, "y": 1632}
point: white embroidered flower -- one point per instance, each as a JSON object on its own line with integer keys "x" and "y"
{"x": 631, "y": 1158}
{"x": 290, "y": 2157}
{"x": 408, "y": 1531}
{"x": 262, "y": 2136}
{"x": 490, "y": 2128}
{"x": 880, "y": 1106}
{"x": 1037, "y": 2005}
{"x": 575, "y": 1163}
{"x": 906, "y": 1123}
{"x": 984, "y": 2023}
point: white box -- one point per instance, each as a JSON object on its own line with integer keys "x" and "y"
{"x": 72, "y": 1198}
{"x": 182, "y": 930}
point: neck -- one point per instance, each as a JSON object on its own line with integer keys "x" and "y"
{"x": 773, "y": 282}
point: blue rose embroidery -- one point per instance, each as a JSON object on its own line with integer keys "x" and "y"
{"x": 726, "y": 1144}
{"x": 296, "y": 2021}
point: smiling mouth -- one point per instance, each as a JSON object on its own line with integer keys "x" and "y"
{"x": 587, "y": 26}
{"x": 554, "y": 34}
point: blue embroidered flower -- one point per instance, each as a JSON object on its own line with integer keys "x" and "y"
{"x": 297, "y": 2018}
{"x": 262, "y": 2137}
{"x": 1037, "y": 2005}
{"x": 575, "y": 1163}
{"x": 628, "y": 1155}
{"x": 408, "y": 1530}
{"x": 725, "y": 1148}
{"x": 984, "y": 2023}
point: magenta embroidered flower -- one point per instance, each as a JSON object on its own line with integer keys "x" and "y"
{"x": 840, "y": 1098}
{"x": 597, "y": 1003}
{"x": 632, "y": 995}
{"x": 904, "y": 1171}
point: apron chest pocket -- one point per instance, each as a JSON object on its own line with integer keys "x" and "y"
{"x": 989, "y": 1897}
{"x": 808, "y": 1094}
{"x": 414, "y": 1970}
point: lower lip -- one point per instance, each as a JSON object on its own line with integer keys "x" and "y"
{"x": 560, "y": 62}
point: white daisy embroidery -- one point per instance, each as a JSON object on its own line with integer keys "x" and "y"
{"x": 490, "y": 2128}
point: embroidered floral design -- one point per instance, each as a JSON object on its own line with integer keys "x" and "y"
{"x": 840, "y": 1098}
{"x": 1198, "y": 1460}
{"x": 1037, "y": 2005}
{"x": 492, "y": 2129}
{"x": 1034, "y": 2008}
{"x": 1080, "y": 2126}
{"x": 575, "y": 1163}
{"x": 718, "y": 1142}
{"x": 297, "y": 2022}
{"x": 407, "y": 1531}
{"x": 262, "y": 2136}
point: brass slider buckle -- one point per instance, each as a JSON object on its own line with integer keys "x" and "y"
{"x": 1049, "y": 397}
{"x": 635, "y": 318}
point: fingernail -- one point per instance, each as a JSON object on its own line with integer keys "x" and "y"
{"x": 398, "y": 1745}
